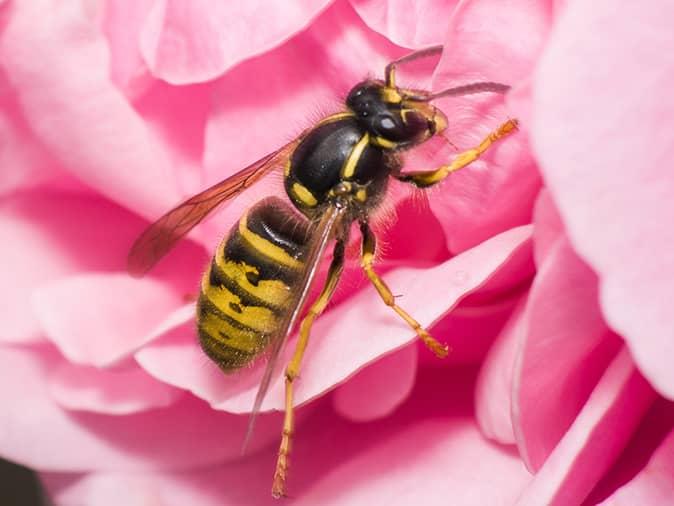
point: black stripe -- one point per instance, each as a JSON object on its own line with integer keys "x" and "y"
{"x": 237, "y": 249}
{"x": 273, "y": 220}
{"x": 218, "y": 278}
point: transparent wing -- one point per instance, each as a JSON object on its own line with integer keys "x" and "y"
{"x": 161, "y": 236}
{"x": 322, "y": 233}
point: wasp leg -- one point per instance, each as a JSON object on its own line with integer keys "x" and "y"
{"x": 367, "y": 259}
{"x": 424, "y": 179}
{"x": 293, "y": 368}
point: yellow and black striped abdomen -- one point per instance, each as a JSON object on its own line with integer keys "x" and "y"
{"x": 250, "y": 284}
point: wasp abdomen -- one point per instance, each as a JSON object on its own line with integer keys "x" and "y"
{"x": 249, "y": 285}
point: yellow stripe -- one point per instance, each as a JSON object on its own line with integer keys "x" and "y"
{"x": 247, "y": 341}
{"x": 257, "y": 318}
{"x": 265, "y": 247}
{"x": 335, "y": 117}
{"x": 306, "y": 197}
{"x": 384, "y": 143}
{"x": 404, "y": 113}
{"x": 273, "y": 291}
{"x": 286, "y": 171}
{"x": 350, "y": 164}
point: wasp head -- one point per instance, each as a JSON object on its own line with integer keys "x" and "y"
{"x": 394, "y": 117}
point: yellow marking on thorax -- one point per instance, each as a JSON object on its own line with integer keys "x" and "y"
{"x": 349, "y": 167}
{"x": 286, "y": 170}
{"x": 273, "y": 291}
{"x": 383, "y": 143}
{"x": 267, "y": 248}
{"x": 304, "y": 195}
{"x": 361, "y": 195}
{"x": 257, "y": 318}
{"x": 404, "y": 112}
{"x": 335, "y": 117}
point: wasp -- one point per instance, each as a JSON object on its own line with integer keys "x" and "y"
{"x": 335, "y": 174}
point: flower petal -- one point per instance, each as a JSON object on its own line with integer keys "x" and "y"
{"x": 410, "y": 24}
{"x": 643, "y": 466}
{"x": 469, "y": 330}
{"x": 378, "y": 389}
{"x": 565, "y": 349}
{"x": 194, "y": 41}
{"x": 182, "y": 436}
{"x": 493, "y": 392}
{"x": 595, "y": 439}
{"x": 69, "y": 102}
{"x": 548, "y": 226}
{"x": 427, "y": 451}
{"x": 97, "y": 319}
{"x": 490, "y": 41}
{"x": 122, "y": 22}
{"x": 430, "y": 293}
{"x": 613, "y": 196}
{"x": 25, "y": 161}
{"x": 654, "y": 484}
{"x": 239, "y": 130}
{"x": 112, "y": 392}
{"x": 53, "y": 235}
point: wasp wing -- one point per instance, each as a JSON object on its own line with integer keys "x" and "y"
{"x": 162, "y": 235}
{"x": 322, "y": 233}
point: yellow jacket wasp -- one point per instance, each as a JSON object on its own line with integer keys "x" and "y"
{"x": 335, "y": 174}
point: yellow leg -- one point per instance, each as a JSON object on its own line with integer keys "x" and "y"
{"x": 367, "y": 258}
{"x": 429, "y": 178}
{"x": 293, "y": 368}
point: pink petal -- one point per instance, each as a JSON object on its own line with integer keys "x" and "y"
{"x": 425, "y": 452}
{"x": 27, "y": 163}
{"x": 474, "y": 324}
{"x": 177, "y": 116}
{"x": 122, "y": 22}
{"x": 38, "y": 433}
{"x": 493, "y": 392}
{"x": 654, "y": 484}
{"x": 97, "y": 319}
{"x": 609, "y": 171}
{"x": 238, "y": 132}
{"x": 187, "y": 42}
{"x": 493, "y": 41}
{"x": 518, "y": 101}
{"x": 341, "y": 345}
{"x": 58, "y": 65}
{"x": 54, "y": 235}
{"x": 112, "y": 392}
{"x": 548, "y": 226}
{"x": 377, "y": 390}
{"x": 596, "y": 438}
{"x": 645, "y": 457}
{"x": 562, "y": 355}
{"x": 470, "y": 329}
{"x": 410, "y": 24}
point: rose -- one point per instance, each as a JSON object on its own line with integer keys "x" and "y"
{"x": 96, "y": 395}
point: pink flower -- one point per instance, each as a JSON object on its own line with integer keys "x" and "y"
{"x": 115, "y": 111}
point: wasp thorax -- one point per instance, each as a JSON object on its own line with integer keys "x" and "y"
{"x": 387, "y": 115}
